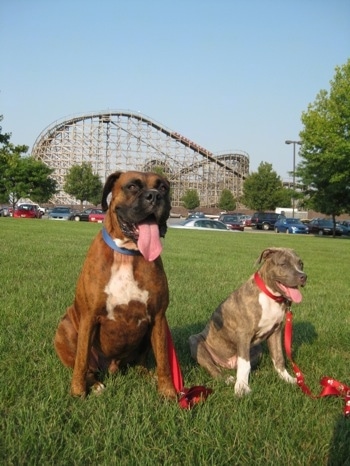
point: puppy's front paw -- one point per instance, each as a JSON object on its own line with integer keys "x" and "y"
{"x": 230, "y": 380}
{"x": 241, "y": 388}
{"x": 284, "y": 375}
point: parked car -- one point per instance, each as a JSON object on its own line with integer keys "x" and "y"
{"x": 175, "y": 215}
{"x": 203, "y": 223}
{"x": 345, "y": 229}
{"x": 247, "y": 220}
{"x": 346, "y": 223}
{"x": 27, "y": 211}
{"x": 291, "y": 225}
{"x": 5, "y": 211}
{"x": 234, "y": 222}
{"x": 61, "y": 213}
{"x": 97, "y": 217}
{"x": 195, "y": 215}
{"x": 323, "y": 226}
{"x": 265, "y": 220}
{"x": 41, "y": 209}
{"x": 83, "y": 216}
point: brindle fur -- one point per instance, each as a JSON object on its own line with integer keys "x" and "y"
{"x": 235, "y": 329}
{"x": 91, "y": 338}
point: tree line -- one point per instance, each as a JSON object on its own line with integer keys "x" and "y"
{"x": 323, "y": 174}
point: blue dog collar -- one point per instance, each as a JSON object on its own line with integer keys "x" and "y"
{"x": 108, "y": 240}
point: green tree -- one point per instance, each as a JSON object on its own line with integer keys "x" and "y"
{"x": 227, "y": 201}
{"x": 22, "y": 176}
{"x": 284, "y": 197}
{"x": 9, "y": 156}
{"x": 27, "y": 177}
{"x": 325, "y": 150}
{"x": 83, "y": 184}
{"x": 190, "y": 199}
{"x": 263, "y": 190}
{"x": 4, "y": 138}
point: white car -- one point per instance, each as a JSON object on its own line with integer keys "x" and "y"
{"x": 202, "y": 224}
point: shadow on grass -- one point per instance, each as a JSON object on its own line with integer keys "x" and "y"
{"x": 303, "y": 333}
{"x": 339, "y": 452}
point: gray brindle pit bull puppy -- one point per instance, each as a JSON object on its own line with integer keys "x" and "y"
{"x": 251, "y": 314}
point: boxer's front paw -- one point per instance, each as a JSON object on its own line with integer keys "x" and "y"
{"x": 78, "y": 390}
{"x": 167, "y": 390}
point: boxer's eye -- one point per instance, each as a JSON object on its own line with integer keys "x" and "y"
{"x": 162, "y": 188}
{"x": 132, "y": 187}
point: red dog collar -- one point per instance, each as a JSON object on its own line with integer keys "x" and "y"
{"x": 263, "y": 288}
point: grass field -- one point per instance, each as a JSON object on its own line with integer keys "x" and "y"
{"x": 129, "y": 424}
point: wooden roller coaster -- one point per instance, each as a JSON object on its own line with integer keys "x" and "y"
{"x": 125, "y": 140}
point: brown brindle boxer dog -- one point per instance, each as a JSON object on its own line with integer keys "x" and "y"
{"x": 251, "y": 314}
{"x": 122, "y": 292}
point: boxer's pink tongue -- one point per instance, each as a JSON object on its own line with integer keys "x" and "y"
{"x": 149, "y": 241}
{"x": 292, "y": 293}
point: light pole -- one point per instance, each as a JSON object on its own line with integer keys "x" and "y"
{"x": 294, "y": 144}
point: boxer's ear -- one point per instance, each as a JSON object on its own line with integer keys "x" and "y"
{"x": 108, "y": 188}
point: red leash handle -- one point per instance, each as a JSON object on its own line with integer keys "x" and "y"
{"x": 330, "y": 386}
{"x": 188, "y": 397}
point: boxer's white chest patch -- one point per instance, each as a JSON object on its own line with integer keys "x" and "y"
{"x": 123, "y": 288}
{"x": 272, "y": 314}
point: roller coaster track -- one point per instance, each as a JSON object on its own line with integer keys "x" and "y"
{"x": 123, "y": 139}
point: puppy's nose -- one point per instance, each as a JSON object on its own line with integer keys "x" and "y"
{"x": 152, "y": 196}
{"x": 303, "y": 278}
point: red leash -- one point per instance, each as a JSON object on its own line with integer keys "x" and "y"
{"x": 330, "y": 386}
{"x": 188, "y": 397}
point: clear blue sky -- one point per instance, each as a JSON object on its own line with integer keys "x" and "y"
{"x": 227, "y": 74}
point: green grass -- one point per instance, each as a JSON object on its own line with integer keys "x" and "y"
{"x": 129, "y": 424}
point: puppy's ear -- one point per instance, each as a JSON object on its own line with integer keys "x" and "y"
{"x": 108, "y": 188}
{"x": 266, "y": 254}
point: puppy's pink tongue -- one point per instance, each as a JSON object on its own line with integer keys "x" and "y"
{"x": 149, "y": 241}
{"x": 292, "y": 293}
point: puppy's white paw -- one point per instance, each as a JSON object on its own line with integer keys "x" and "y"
{"x": 98, "y": 388}
{"x": 241, "y": 388}
{"x": 284, "y": 375}
{"x": 230, "y": 380}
